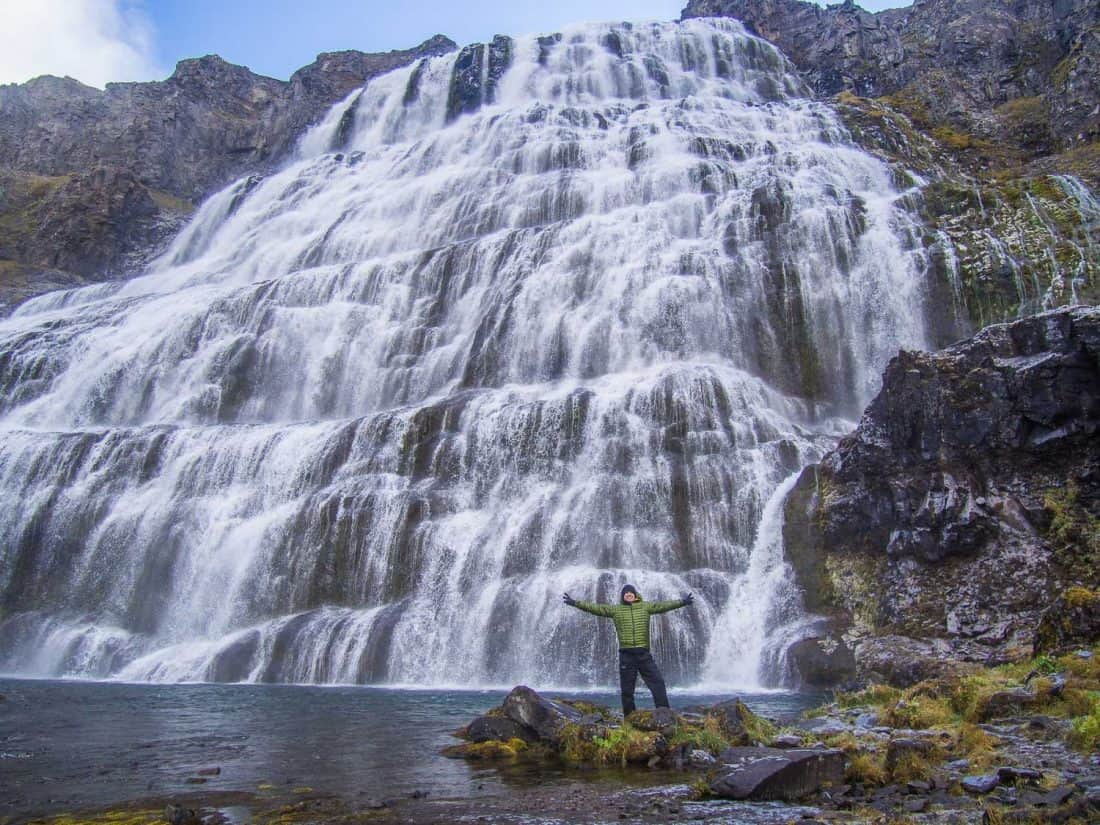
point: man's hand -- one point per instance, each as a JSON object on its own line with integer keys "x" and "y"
{"x": 688, "y": 600}
{"x": 569, "y": 600}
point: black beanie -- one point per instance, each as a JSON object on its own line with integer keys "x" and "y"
{"x": 628, "y": 588}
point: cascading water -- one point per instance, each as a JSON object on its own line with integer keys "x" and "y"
{"x": 547, "y": 314}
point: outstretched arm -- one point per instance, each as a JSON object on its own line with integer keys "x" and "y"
{"x": 588, "y": 607}
{"x": 664, "y": 607}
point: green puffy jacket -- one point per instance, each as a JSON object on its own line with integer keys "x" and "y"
{"x": 631, "y": 620}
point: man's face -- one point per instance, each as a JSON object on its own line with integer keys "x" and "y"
{"x": 630, "y": 598}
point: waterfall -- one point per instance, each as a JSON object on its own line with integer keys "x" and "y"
{"x": 550, "y": 313}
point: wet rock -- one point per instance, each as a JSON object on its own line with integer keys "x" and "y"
{"x": 179, "y": 815}
{"x": 214, "y": 771}
{"x": 823, "y": 726}
{"x": 486, "y": 728}
{"x": 545, "y": 717}
{"x": 1057, "y": 797}
{"x": 981, "y": 784}
{"x": 866, "y": 721}
{"x": 701, "y": 759}
{"x": 773, "y": 774}
{"x": 822, "y": 662}
{"x": 1005, "y": 796}
{"x": 789, "y": 740}
{"x": 1018, "y": 775}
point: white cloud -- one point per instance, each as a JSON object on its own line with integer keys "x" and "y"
{"x": 95, "y": 41}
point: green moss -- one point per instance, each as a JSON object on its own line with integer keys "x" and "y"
{"x": 870, "y": 696}
{"x": 492, "y": 749}
{"x": 699, "y": 738}
{"x": 123, "y": 817}
{"x": 1086, "y": 728}
{"x": 1075, "y": 534}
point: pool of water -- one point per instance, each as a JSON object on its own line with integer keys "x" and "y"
{"x": 67, "y": 745}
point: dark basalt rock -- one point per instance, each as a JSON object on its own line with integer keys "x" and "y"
{"x": 545, "y": 717}
{"x": 501, "y": 728}
{"x": 981, "y": 784}
{"x": 774, "y": 774}
{"x": 925, "y": 534}
{"x": 822, "y": 662}
{"x": 474, "y": 84}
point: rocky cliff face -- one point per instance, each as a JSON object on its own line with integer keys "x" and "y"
{"x": 91, "y": 181}
{"x": 965, "y": 502}
{"x": 1024, "y": 72}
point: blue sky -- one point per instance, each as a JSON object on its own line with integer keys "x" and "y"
{"x": 98, "y": 41}
{"x": 275, "y": 37}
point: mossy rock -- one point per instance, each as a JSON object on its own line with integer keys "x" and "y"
{"x": 1072, "y": 621}
{"x": 492, "y": 749}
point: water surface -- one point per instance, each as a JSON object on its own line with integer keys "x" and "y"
{"x": 68, "y": 745}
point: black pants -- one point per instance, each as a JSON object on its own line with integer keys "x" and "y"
{"x": 635, "y": 660}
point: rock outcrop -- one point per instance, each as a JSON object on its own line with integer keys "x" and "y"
{"x": 963, "y": 504}
{"x": 92, "y": 182}
{"x": 1025, "y": 72}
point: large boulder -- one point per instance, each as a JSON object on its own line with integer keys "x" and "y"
{"x": 773, "y": 774}
{"x": 822, "y": 662}
{"x": 496, "y": 727}
{"x": 547, "y": 718}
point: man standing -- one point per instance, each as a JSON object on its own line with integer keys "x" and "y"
{"x": 631, "y": 619}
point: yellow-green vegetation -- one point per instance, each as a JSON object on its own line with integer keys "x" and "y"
{"x": 875, "y": 695}
{"x": 852, "y": 582}
{"x": 123, "y": 817}
{"x": 1086, "y": 727}
{"x": 1074, "y": 532}
{"x": 866, "y": 768}
{"x": 759, "y": 729}
{"x": 914, "y": 766}
{"x": 956, "y": 704}
{"x": 705, "y": 738}
{"x": 918, "y": 712}
{"x": 489, "y": 750}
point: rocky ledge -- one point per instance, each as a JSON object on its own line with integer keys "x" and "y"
{"x": 960, "y": 522}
